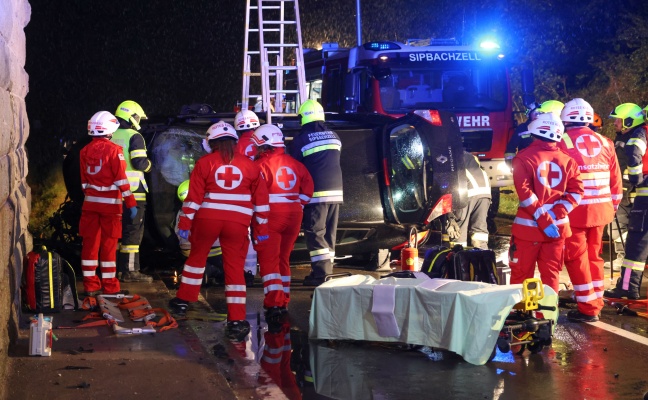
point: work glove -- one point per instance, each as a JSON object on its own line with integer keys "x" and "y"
{"x": 261, "y": 239}
{"x": 453, "y": 229}
{"x": 551, "y": 213}
{"x": 133, "y": 213}
{"x": 183, "y": 233}
{"x": 552, "y": 231}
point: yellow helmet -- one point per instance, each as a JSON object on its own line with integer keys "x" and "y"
{"x": 132, "y": 112}
{"x": 183, "y": 190}
{"x": 631, "y": 114}
{"x": 551, "y": 106}
{"x": 311, "y": 111}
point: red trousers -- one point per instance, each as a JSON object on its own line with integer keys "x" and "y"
{"x": 100, "y": 233}
{"x": 234, "y": 244}
{"x": 523, "y": 256}
{"x": 274, "y": 257}
{"x": 585, "y": 266}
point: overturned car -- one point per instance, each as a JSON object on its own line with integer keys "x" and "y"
{"x": 398, "y": 173}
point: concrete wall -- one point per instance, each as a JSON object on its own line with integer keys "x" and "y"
{"x": 15, "y": 195}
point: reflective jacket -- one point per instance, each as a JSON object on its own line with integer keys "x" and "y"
{"x": 635, "y": 151}
{"x": 137, "y": 162}
{"x": 103, "y": 177}
{"x": 546, "y": 178}
{"x": 319, "y": 149}
{"x": 290, "y": 185}
{"x": 478, "y": 184}
{"x": 228, "y": 192}
{"x": 245, "y": 146}
{"x": 599, "y": 171}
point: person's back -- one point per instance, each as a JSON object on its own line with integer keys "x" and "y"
{"x": 319, "y": 149}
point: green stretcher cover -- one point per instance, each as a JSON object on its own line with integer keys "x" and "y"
{"x": 463, "y": 317}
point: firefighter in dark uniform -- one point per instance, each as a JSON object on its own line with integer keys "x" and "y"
{"x": 620, "y": 232}
{"x": 473, "y": 217}
{"x": 521, "y": 138}
{"x": 129, "y": 114}
{"x": 318, "y": 148}
{"x": 629, "y": 120}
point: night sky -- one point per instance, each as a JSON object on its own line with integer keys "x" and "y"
{"x": 89, "y": 55}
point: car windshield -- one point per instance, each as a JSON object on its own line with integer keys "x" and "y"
{"x": 482, "y": 88}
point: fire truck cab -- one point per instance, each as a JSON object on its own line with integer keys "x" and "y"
{"x": 393, "y": 78}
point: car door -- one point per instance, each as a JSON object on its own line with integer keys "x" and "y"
{"x": 423, "y": 167}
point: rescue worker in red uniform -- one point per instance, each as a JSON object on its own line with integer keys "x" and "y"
{"x": 129, "y": 114}
{"x": 290, "y": 188}
{"x": 246, "y": 122}
{"x": 548, "y": 186}
{"x": 319, "y": 149}
{"x": 227, "y": 193}
{"x": 599, "y": 171}
{"x": 104, "y": 183}
{"x": 629, "y": 118}
{"x": 214, "y": 266}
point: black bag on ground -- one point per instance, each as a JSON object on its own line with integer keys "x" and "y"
{"x": 49, "y": 282}
{"x": 436, "y": 262}
{"x": 473, "y": 264}
{"x": 476, "y": 265}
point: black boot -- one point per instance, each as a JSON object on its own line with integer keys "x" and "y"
{"x": 631, "y": 292}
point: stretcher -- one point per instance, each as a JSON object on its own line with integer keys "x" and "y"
{"x": 467, "y": 318}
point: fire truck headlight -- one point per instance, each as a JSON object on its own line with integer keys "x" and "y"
{"x": 504, "y": 169}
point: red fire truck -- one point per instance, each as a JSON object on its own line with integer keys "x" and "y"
{"x": 394, "y": 78}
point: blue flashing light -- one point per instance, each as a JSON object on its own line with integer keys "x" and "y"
{"x": 489, "y": 45}
{"x": 378, "y": 46}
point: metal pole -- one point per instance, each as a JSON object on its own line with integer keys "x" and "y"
{"x": 358, "y": 23}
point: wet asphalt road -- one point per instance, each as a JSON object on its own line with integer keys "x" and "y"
{"x": 604, "y": 360}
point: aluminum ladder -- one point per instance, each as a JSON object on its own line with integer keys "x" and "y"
{"x": 265, "y": 58}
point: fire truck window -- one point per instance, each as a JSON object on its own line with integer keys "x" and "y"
{"x": 314, "y": 89}
{"x": 407, "y": 178}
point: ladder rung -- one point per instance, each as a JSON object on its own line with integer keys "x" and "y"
{"x": 257, "y": 52}
{"x": 252, "y": 73}
{"x": 286, "y": 91}
{"x": 277, "y": 1}
{"x": 283, "y": 67}
{"x": 267, "y": 45}
{"x": 279, "y": 22}
{"x": 270, "y": 7}
{"x": 270, "y": 30}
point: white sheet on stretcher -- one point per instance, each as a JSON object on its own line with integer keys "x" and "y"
{"x": 463, "y": 317}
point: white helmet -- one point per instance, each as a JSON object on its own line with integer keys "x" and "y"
{"x": 547, "y": 126}
{"x": 270, "y": 135}
{"x": 218, "y": 130}
{"x": 102, "y": 123}
{"x": 245, "y": 120}
{"x": 577, "y": 110}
